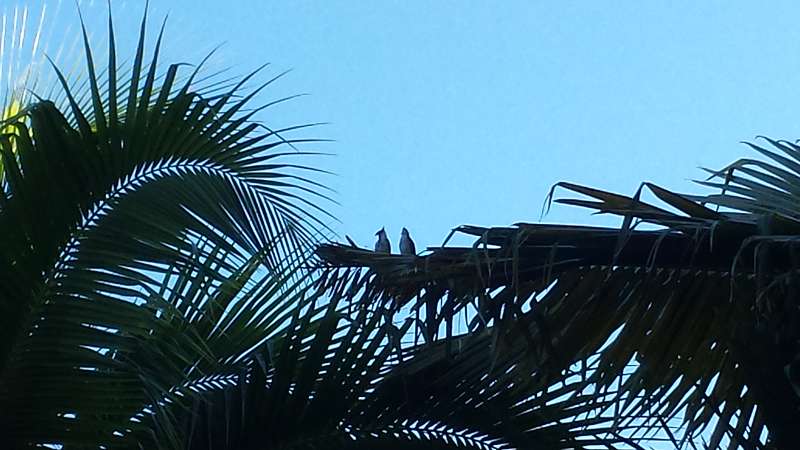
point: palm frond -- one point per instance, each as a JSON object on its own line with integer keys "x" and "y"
{"x": 339, "y": 379}
{"x": 692, "y": 321}
{"x": 152, "y": 238}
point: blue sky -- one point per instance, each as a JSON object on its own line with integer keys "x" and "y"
{"x": 445, "y": 113}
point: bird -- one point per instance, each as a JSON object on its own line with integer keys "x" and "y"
{"x": 383, "y": 245}
{"x": 406, "y": 244}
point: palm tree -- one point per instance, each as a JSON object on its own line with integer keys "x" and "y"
{"x": 159, "y": 291}
{"x": 156, "y": 290}
{"x": 688, "y": 330}
{"x": 153, "y": 235}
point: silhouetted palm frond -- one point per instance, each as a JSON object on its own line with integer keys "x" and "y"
{"x": 152, "y": 237}
{"x": 694, "y": 319}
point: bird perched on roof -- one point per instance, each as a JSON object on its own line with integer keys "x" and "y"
{"x": 407, "y": 246}
{"x": 383, "y": 245}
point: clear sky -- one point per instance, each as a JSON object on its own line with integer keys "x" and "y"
{"x": 446, "y": 113}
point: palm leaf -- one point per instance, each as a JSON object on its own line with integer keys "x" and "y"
{"x": 147, "y": 249}
{"x": 692, "y": 322}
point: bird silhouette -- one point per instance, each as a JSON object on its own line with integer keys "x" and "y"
{"x": 407, "y": 246}
{"x": 383, "y": 245}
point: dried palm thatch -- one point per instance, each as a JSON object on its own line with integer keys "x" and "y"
{"x": 692, "y": 322}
